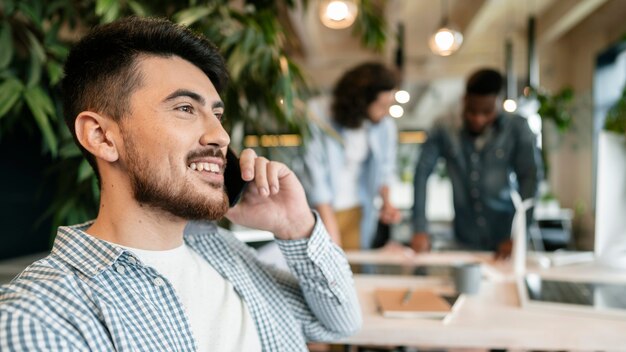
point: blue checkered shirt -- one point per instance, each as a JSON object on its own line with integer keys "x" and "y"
{"x": 78, "y": 298}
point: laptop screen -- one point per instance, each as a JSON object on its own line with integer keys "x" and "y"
{"x": 601, "y": 296}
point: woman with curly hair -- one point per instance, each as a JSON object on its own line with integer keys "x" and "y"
{"x": 350, "y": 159}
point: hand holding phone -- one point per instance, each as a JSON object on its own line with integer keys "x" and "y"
{"x": 274, "y": 198}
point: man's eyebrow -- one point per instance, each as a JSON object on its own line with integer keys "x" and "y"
{"x": 218, "y": 104}
{"x": 185, "y": 93}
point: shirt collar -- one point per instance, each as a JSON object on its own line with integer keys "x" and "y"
{"x": 84, "y": 252}
{"x": 195, "y": 230}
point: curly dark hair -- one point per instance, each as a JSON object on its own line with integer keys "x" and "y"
{"x": 357, "y": 89}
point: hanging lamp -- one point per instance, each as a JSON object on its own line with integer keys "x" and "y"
{"x": 447, "y": 39}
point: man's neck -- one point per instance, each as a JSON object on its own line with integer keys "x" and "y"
{"x": 128, "y": 223}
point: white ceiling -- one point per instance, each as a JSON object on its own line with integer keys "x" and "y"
{"x": 435, "y": 82}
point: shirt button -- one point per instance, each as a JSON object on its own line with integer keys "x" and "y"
{"x": 475, "y": 158}
{"x": 481, "y": 221}
{"x": 132, "y": 260}
{"x": 158, "y": 282}
{"x": 474, "y": 175}
{"x": 120, "y": 269}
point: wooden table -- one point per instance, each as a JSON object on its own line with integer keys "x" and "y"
{"x": 491, "y": 319}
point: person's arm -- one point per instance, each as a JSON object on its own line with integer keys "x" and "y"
{"x": 428, "y": 159}
{"x": 323, "y": 278}
{"x": 322, "y": 275}
{"x": 23, "y": 327}
{"x": 527, "y": 162}
{"x": 389, "y": 214}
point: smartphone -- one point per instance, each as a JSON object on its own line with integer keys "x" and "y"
{"x": 233, "y": 182}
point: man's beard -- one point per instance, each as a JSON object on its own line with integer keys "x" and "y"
{"x": 153, "y": 190}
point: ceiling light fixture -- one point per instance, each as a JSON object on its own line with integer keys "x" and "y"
{"x": 338, "y": 14}
{"x": 402, "y": 96}
{"x": 447, "y": 39}
{"x": 396, "y": 111}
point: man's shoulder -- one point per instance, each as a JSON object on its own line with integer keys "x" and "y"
{"x": 514, "y": 120}
{"x": 39, "y": 284}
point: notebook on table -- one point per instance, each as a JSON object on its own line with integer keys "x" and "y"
{"x": 408, "y": 303}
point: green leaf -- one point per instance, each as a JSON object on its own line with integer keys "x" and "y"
{"x": 34, "y": 71}
{"x": 10, "y": 91}
{"x": 37, "y": 58}
{"x": 107, "y": 10}
{"x": 6, "y": 45}
{"x": 55, "y": 72}
{"x": 84, "y": 171}
{"x": 59, "y": 51}
{"x": 31, "y": 10}
{"x": 69, "y": 149}
{"x": 8, "y": 6}
{"x": 137, "y": 9}
{"x": 191, "y": 15}
{"x": 41, "y": 107}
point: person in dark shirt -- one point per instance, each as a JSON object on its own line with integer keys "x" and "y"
{"x": 488, "y": 153}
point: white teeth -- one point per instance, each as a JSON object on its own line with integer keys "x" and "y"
{"x": 205, "y": 167}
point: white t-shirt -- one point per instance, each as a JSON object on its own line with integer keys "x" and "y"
{"x": 219, "y": 318}
{"x": 356, "y": 149}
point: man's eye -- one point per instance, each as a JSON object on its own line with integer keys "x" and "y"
{"x": 185, "y": 108}
{"x": 219, "y": 116}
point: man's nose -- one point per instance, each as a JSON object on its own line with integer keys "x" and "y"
{"x": 214, "y": 133}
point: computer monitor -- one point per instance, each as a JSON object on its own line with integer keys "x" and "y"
{"x": 610, "y": 237}
{"x": 610, "y": 160}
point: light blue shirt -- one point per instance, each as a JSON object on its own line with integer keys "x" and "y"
{"x": 325, "y": 153}
{"x": 91, "y": 295}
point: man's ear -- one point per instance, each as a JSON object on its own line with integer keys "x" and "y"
{"x": 96, "y": 133}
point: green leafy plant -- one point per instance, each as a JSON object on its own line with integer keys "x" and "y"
{"x": 556, "y": 109}
{"x": 616, "y": 116}
{"x": 267, "y": 87}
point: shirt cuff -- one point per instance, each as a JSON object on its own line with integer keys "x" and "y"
{"x": 306, "y": 248}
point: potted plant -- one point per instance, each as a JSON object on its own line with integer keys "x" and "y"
{"x": 266, "y": 85}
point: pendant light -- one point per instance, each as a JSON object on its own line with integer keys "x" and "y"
{"x": 338, "y": 14}
{"x": 447, "y": 39}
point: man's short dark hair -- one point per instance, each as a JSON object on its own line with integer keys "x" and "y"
{"x": 101, "y": 69}
{"x": 484, "y": 82}
{"x": 357, "y": 89}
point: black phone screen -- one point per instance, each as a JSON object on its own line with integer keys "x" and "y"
{"x": 233, "y": 182}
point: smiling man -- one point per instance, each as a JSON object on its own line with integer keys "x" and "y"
{"x": 142, "y": 101}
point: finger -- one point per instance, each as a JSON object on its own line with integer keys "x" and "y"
{"x": 260, "y": 176}
{"x": 273, "y": 172}
{"x": 246, "y": 162}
